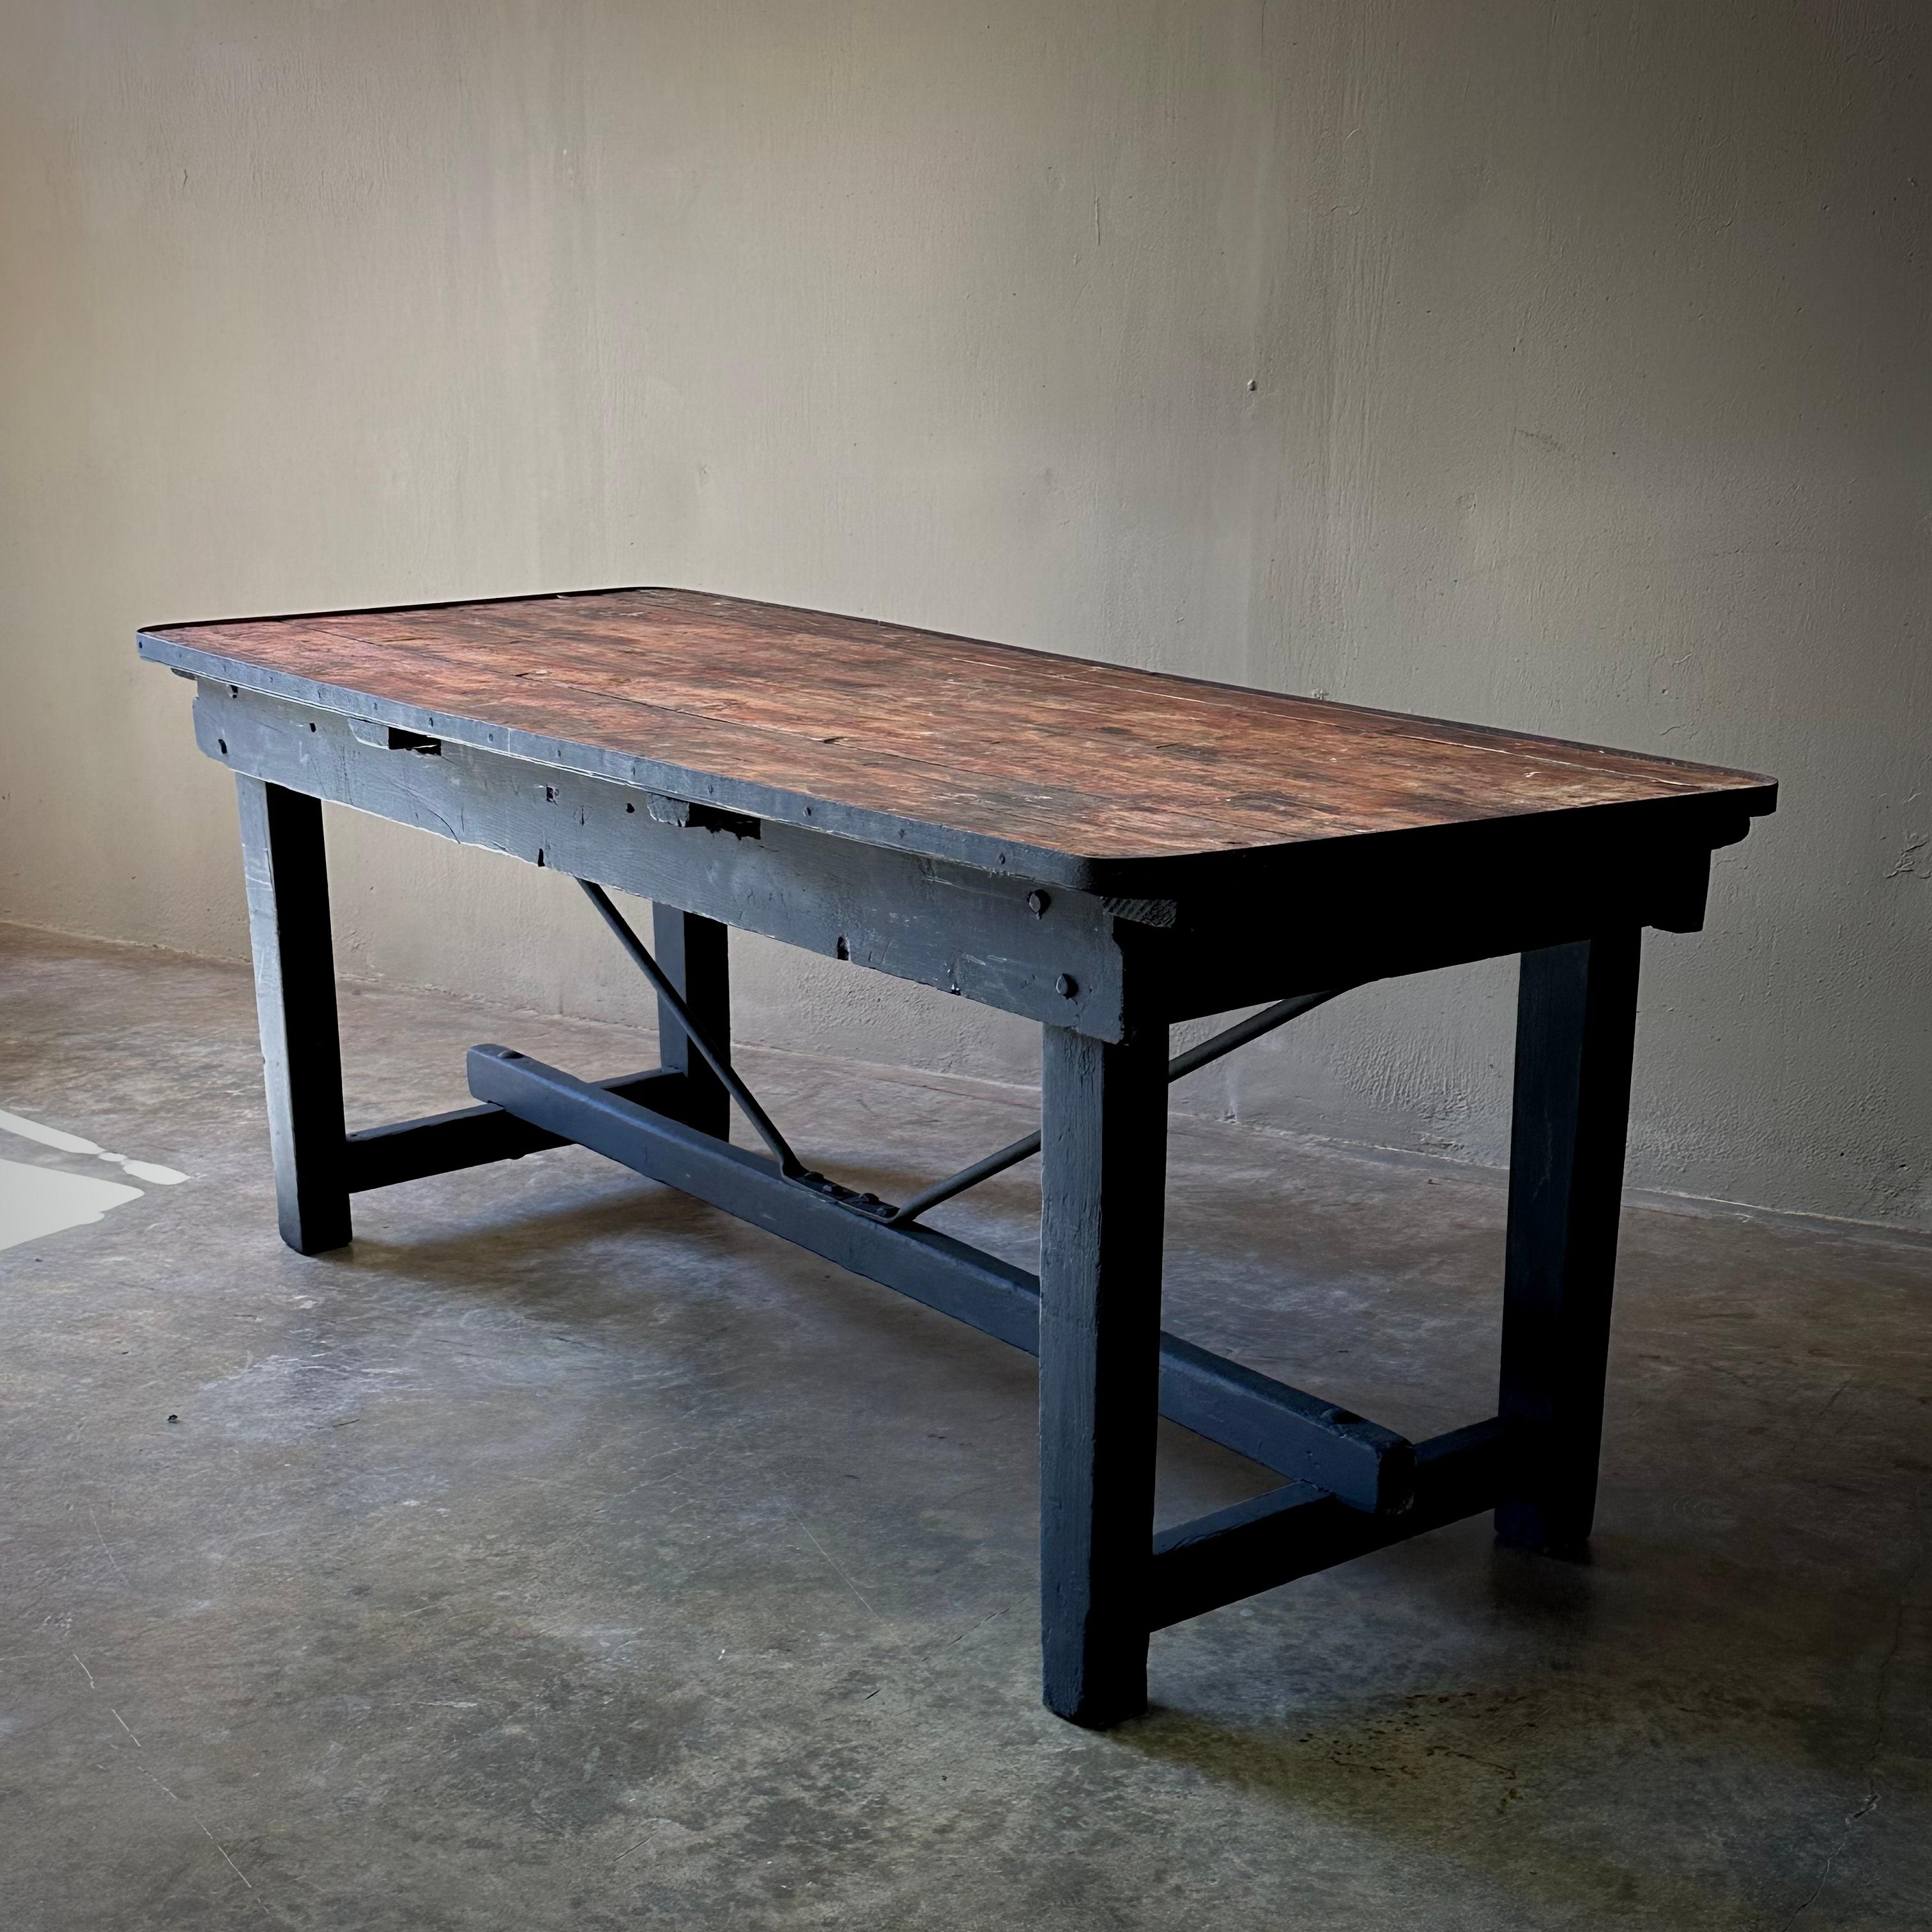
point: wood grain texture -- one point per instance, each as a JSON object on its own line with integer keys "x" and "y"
{"x": 885, "y": 733}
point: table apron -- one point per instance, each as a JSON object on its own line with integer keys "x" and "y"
{"x": 926, "y": 920}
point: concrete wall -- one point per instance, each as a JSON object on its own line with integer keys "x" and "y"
{"x": 1560, "y": 367}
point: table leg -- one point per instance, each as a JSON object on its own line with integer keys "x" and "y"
{"x": 692, "y": 951}
{"x": 287, "y": 875}
{"x": 1104, "y": 1127}
{"x": 1576, "y": 1025}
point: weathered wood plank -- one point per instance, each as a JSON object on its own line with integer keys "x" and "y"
{"x": 936, "y": 923}
{"x": 1073, "y": 770}
{"x": 1342, "y": 917}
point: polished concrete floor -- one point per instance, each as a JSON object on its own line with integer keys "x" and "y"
{"x": 566, "y": 1555}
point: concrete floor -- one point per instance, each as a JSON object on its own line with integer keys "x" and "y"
{"x": 566, "y": 1554}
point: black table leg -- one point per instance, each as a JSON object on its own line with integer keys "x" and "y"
{"x": 287, "y": 874}
{"x": 1104, "y": 1128}
{"x": 1576, "y": 1024}
{"x": 692, "y": 951}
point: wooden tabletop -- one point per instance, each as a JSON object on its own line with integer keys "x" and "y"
{"x": 1016, "y": 760}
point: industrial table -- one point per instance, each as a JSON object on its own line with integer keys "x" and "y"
{"x": 1104, "y": 851}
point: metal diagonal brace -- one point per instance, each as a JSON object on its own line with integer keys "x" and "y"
{"x": 793, "y": 1169}
{"x": 789, "y": 1165}
{"x": 1178, "y": 1068}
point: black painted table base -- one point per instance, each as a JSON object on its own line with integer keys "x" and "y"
{"x": 1105, "y": 977}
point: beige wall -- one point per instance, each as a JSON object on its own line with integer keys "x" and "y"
{"x": 1557, "y": 366}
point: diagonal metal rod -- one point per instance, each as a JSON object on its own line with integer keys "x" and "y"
{"x": 1178, "y": 1068}
{"x": 967, "y": 1177}
{"x": 789, "y": 1163}
{"x": 1219, "y": 1045}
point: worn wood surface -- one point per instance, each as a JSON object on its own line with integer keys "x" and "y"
{"x": 1329, "y": 914}
{"x": 895, "y": 735}
{"x": 936, "y": 922}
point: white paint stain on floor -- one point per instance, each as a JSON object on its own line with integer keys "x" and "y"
{"x": 53, "y": 1137}
{"x": 37, "y": 1201}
